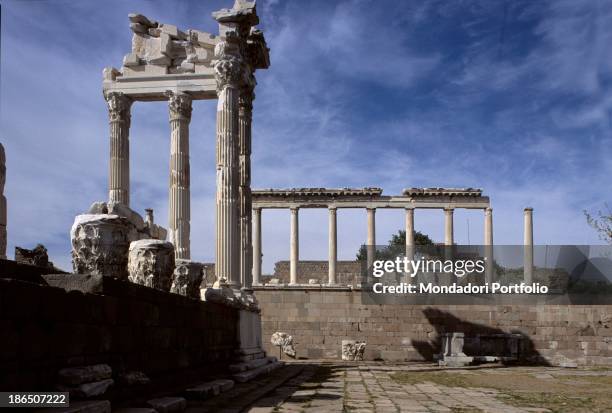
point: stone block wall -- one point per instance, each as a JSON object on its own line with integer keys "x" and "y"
{"x": 128, "y": 326}
{"x": 319, "y": 319}
{"x": 347, "y": 272}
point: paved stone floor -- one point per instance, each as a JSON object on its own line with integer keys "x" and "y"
{"x": 381, "y": 388}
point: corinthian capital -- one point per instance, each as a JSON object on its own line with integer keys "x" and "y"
{"x": 228, "y": 63}
{"x": 118, "y": 106}
{"x": 180, "y": 105}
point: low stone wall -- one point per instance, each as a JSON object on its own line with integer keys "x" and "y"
{"x": 347, "y": 272}
{"x": 128, "y": 326}
{"x": 319, "y": 319}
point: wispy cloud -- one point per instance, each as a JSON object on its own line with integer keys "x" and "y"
{"x": 510, "y": 96}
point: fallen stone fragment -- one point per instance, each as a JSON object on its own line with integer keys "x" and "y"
{"x": 85, "y": 374}
{"x": 86, "y": 390}
{"x": 168, "y": 404}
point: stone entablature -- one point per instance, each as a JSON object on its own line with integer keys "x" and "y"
{"x": 420, "y": 192}
{"x": 434, "y": 198}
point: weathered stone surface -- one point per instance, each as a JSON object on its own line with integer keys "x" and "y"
{"x": 187, "y": 278}
{"x": 86, "y": 390}
{"x": 87, "y": 406}
{"x": 251, "y": 374}
{"x": 168, "y": 404}
{"x": 284, "y": 341}
{"x": 85, "y": 374}
{"x": 131, "y": 59}
{"x": 209, "y": 389}
{"x": 100, "y": 244}
{"x": 140, "y": 19}
{"x": 85, "y": 283}
{"x": 37, "y": 256}
{"x": 151, "y": 263}
{"x": 133, "y": 378}
{"x": 353, "y": 350}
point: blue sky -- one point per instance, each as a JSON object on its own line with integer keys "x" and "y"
{"x": 511, "y": 96}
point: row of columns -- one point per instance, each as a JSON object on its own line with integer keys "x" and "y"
{"x": 180, "y": 108}
{"x": 235, "y": 84}
{"x": 371, "y": 241}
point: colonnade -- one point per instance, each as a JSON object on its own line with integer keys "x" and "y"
{"x": 371, "y": 241}
{"x": 228, "y": 77}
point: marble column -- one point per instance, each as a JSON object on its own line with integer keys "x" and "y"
{"x": 448, "y": 227}
{"x": 180, "y": 197}
{"x": 257, "y": 246}
{"x": 410, "y": 246}
{"x": 245, "y": 104}
{"x": 488, "y": 244}
{"x": 295, "y": 246}
{"x": 333, "y": 246}
{"x": 528, "y": 245}
{"x": 228, "y": 69}
{"x": 119, "y": 172}
{"x": 371, "y": 241}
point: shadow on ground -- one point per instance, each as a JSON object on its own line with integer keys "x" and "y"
{"x": 445, "y": 322}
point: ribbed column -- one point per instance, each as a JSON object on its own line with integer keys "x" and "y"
{"x": 488, "y": 244}
{"x": 244, "y": 144}
{"x": 528, "y": 245}
{"x": 179, "y": 191}
{"x": 257, "y": 246}
{"x": 448, "y": 227}
{"x": 228, "y": 74}
{"x": 333, "y": 246}
{"x": 410, "y": 233}
{"x": 371, "y": 242}
{"x": 295, "y": 246}
{"x": 119, "y": 170}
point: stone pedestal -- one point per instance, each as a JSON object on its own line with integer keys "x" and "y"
{"x": 452, "y": 351}
{"x": 151, "y": 263}
{"x": 187, "y": 278}
{"x": 100, "y": 244}
{"x": 249, "y": 335}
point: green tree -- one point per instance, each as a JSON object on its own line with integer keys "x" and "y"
{"x": 396, "y": 243}
{"x": 602, "y": 223}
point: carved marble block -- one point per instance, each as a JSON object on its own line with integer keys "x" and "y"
{"x": 187, "y": 278}
{"x": 151, "y": 263}
{"x": 285, "y": 342}
{"x": 100, "y": 244}
{"x": 353, "y": 350}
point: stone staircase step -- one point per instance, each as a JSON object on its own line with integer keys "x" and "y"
{"x": 209, "y": 389}
{"x": 88, "y": 406}
{"x": 250, "y": 365}
{"x": 251, "y": 374}
{"x": 168, "y": 404}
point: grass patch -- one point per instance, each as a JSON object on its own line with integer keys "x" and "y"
{"x": 558, "y": 403}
